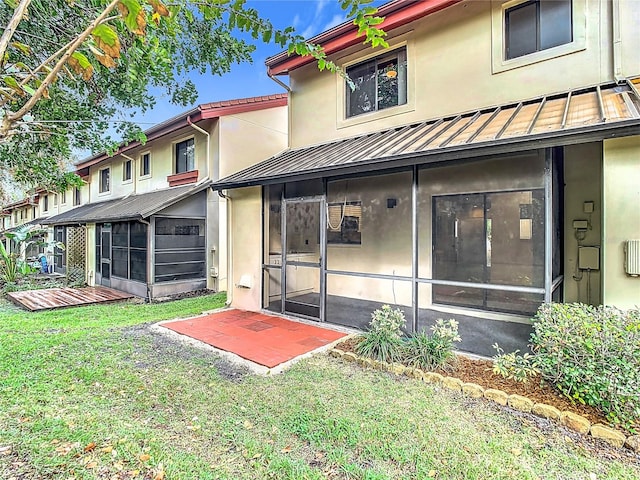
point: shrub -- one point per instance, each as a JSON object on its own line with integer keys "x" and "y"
{"x": 383, "y": 340}
{"x": 514, "y": 366}
{"x": 592, "y": 354}
{"x": 435, "y": 350}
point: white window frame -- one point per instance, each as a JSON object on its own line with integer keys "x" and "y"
{"x": 101, "y": 191}
{"x": 175, "y": 158}
{"x": 498, "y": 37}
{"x": 140, "y": 159}
{"x": 126, "y": 180}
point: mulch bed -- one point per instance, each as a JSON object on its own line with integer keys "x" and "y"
{"x": 480, "y": 372}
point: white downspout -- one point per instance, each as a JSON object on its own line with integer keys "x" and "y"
{"x": 229, "y": 247}
{"x": 208, "y": 135}
{"x": 618, "y": 72}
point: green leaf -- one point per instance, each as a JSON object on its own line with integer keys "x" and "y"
{"x": 26, "y": 49}
{"x": 13, "y": 84}
{"x": 107, "y": 40}
{"x": 130, "y": 12}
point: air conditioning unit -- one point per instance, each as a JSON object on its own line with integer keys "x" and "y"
{"x": 632, "y": 258}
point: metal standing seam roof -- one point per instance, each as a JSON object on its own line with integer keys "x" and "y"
{"x": 132, "y": 207}
{"x": 599, "y": 109}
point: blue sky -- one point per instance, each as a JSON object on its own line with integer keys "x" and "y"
{"x": 309, "y": 17}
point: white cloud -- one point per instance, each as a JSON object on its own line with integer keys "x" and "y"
{"x": 336, "y": 20}
{"x": 296, "y": 21}
{"x": 315, "y": 26}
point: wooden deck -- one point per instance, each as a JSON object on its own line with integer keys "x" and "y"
{"x": 35, "y": 300}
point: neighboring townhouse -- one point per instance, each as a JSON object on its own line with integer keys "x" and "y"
{"x": 147, "y": 222}
{"x": 33, "y": 210}
{"x": 487, "y": 161}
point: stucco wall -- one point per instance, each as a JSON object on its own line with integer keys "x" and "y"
{"x": 583, "y": 181}
{"x": 162, "y": 165}
{"x": 246, "y": 207}
{"x": 621, "y": 201}
{"x": 250, "y": 137}
{"x": 450, "y": 70}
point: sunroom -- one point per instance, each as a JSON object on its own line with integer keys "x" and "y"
{"x": 151, "y": 245}
{"x": 460, "y": 217}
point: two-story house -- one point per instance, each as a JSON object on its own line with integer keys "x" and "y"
{"x": 486, "y": 162}
{"x": 148, "y": 223}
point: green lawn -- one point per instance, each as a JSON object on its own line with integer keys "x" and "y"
{"x": 91, "y": 392}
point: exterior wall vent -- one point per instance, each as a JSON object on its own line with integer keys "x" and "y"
{"x": 632, "y": 258}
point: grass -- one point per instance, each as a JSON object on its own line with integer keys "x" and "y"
{"x": 91, "y": 392}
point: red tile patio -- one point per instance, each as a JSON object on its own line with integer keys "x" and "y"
{"x": 263, "y": 339}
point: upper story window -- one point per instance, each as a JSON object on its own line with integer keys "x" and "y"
{"x": 105, "y": 184}
{"x": 55, "y": 199}
{"x": 63, "y": 197}
{"x": 126, "y": 170}
{"x": 76, "y": 196}
{"x": 45, "y": 203}
{"x": 185, "y": 156}
{"x": 33, "y": 212}
{"x": 145, "y": 164}
{"x": 379, "y": 83}
{"x": 537, "y": 25}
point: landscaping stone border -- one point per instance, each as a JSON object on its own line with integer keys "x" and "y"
{"x": 570, "y": 420}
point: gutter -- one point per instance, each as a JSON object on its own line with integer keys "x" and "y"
{"x": 278, "y": 81}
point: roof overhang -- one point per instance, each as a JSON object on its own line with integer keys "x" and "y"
{"x": 580, "y": 116}
{"x": 396, "y": 14}
{"x": 129, "y": 208}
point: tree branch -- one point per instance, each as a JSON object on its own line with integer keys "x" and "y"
{"x": 11, "y": 118}
{"x": 16, "y": 18}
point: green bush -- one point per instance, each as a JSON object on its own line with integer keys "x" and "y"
{"x": 435, "y": 350}
{"x": 592, "y": 354}
{"x": 383, "y": 340}
{"x": 514, "y": 366}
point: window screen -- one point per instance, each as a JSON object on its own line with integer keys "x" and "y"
{"x": 494, "y": 238}
{"x": 179, "y": 249}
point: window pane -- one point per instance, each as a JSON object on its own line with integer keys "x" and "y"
{"x": 351, "y": 300}
{"x": 363, "y": 98}
{"x": 180, "y": 249}
{"x": 138, "y": 265}
{"x": 126, "y": 173}
{"x": 516, "y": 259}
{"x": 138, "y": 235}
{"x": 388, "y": 83}
{"x": 120, "y": 262}
{"x": 555, "y": 23}
{"x": 106, "y": 244}
{"x": 144, "y": 167}
{"x": 521, "y": 31}
{"x": 120, "y": 234}
{"x": 104, "y": 180}
{"x": 460, "y": 251}
{"x": 185, "y": 156}
{"x": 376, "y": 230}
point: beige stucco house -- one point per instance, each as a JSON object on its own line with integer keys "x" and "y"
{"x": 146, "y": 222}
{"x": 487, "y": 161}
